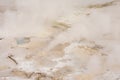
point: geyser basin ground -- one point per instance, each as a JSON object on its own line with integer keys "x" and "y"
{"x": 59, "y": 40}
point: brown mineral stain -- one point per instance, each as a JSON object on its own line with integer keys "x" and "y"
{"x": 58, "y": 51}
{"x": 18, "y": 73}
{"x": 61, "y": 25}
{"x": 84, "y": 77}
{"x": 3, "y": 67}
{"x": 101, "y": 5}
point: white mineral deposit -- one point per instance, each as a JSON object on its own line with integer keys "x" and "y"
{"x": 59, "y": 39}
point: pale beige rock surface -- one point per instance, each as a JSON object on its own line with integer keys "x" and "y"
{"x": 60, "y": 40}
